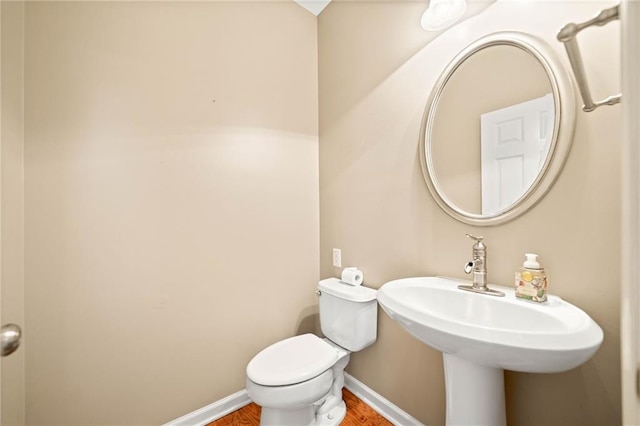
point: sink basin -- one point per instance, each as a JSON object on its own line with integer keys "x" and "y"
{"x": 481, "y": 335}
{"x": 503, "y": 332}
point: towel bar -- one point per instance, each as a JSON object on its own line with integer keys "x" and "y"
{"x": 567, "y": 35}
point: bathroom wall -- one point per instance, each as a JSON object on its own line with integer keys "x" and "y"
{"x": 171, "y": 201}
{"x": 377, "y": 68}
{"x": 12, "y": 155}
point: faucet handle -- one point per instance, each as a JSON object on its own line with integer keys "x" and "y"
{"x": 479, "y": 245}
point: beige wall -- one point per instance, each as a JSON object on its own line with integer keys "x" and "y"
{"x": 377, "y": 68}
{"x": 12, "y": 205}
{"x": 171, "y": 201}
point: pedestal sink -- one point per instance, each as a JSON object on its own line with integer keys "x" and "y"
{"x": 481, "y": 335}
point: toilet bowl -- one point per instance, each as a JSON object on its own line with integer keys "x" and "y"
{"x": 298, "y": 381}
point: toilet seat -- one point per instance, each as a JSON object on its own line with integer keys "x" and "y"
{"x": 293, "y": 360}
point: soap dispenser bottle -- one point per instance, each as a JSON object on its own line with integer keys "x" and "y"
{"x": 531, "y": 281}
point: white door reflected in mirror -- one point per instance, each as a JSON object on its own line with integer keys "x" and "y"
{"x": 514, "y": 144}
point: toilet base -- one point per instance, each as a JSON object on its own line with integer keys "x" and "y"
{"x": 279, "y": 417}
{"x": 333, "y": 417}
{"x": 303, "y": 416}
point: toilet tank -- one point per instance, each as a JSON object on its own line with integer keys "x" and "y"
{"x": 348, "y": 314}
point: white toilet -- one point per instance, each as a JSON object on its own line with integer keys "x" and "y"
{"x": 298, "y": 381}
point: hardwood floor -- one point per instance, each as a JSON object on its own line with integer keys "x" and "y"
{"x": 358, "y": 414}
{"x": 247, "y": 415}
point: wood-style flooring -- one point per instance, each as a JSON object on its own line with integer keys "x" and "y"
{"x": 358, "y": 414}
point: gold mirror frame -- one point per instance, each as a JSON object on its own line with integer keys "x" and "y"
{"x": 563, "y": 127}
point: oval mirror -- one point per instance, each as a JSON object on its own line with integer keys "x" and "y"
{"x": 497, "y": 128}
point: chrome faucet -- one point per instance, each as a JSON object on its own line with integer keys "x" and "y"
{"x": 478, "y": 266}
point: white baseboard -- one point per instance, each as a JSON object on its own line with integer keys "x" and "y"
{"x": 214, "y": 411}
{"x": 234, "y": 402}
{"x": 383, "y": 406}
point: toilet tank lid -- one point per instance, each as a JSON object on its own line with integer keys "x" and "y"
{"x": 355, "y": 293}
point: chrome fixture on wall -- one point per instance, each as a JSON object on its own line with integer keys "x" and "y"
{"x": 567, "y": 35}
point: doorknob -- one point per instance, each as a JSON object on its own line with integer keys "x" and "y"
{"x": 9, "y": 338}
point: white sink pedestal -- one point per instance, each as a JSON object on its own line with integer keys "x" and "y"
{"x": 474, "y": 393}
{"x": 495, "y": 333}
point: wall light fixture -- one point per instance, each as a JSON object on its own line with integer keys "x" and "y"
{"x": 442, "y": 13}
